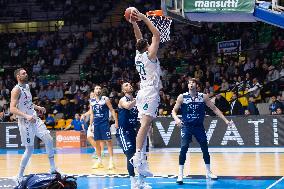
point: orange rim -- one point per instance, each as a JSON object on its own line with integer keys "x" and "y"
{"x": 155, "y": 13}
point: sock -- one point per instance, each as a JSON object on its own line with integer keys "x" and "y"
{"x": 207, "y": 168}
{"x": 21, "y": 172}
{"x": 52, "y": 164}
{"x": 132, "y": 180}
{"x": 48, "y": 141}
{"x": 110, "y": 159}
{"x": 140, "y": 179}
{"x": 99, "y": 159}
{"x": 139, "y": 154}
{"x": 144, "y": 153}
{"x": 180, "y": 173}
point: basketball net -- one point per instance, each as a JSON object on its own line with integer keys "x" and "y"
{"x": 162, "y": 23}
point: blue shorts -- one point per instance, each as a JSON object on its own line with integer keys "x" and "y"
{"x": 189, "y": 130}
{"x": 102, "y": 132}
{"x": 126, "y": 140}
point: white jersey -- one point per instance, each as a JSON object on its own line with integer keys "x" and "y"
{"x": 150, "y": 72}
{"x": 25, "y": 101}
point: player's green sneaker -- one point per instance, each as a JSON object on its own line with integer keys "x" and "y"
{"x": 94, "y": 156}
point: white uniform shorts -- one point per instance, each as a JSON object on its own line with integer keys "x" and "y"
{"x": 147, "y": 101}
{"x": 29, "y": 130}
{"x": 90, "y": 131}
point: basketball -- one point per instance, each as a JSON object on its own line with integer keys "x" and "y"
{"x": 128, "y": 12}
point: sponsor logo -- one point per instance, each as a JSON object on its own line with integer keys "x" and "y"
{"x": 61, "y": 138}
{"x": 216, "y": 4}
{"x": 166, "y": 135}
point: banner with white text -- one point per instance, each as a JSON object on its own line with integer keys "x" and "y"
{"x": 249, "y": 131}
{"x": 219, "y": 6}
{"x": 10, "y": 136}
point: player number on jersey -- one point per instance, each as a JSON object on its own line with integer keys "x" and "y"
{"x": 141, "y": 69}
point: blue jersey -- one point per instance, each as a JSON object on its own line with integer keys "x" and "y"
{"x": 127, "y": 119}
{"x": 193, "y": 108}
{"x": 100, "y": 110}
{"x": 77, "y": 124}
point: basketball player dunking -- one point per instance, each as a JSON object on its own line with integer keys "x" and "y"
{"x": 192, "y": 104}
{"x": 30, "y": 125}
{"x": 147, "y": 101}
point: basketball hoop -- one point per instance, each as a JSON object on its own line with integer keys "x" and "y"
{"x": 161, "y": 22}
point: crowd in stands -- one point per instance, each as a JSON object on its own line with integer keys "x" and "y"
{"x": 236, "y": 83}
{"x": 41, "y": 53}
{"x": 81, "y": 12}
{"x": 78, "y": 12}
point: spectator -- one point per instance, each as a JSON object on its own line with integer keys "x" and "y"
{"x": 1, "y": 116}
{"x": 198, "y": 72}
{"x": 58, "y": 107}
{"x": 68, "y": 109}
{"x": 2, "y": 101}
{"x": 251, "y": 109}
{"x": 9, "y": 83}
{"x": 4, "y": 91}
{"x": 222, "y": 104}
{"x": 37, "y": 68}
{"x": 42, "y": 93}
{"x": 6, "y": 113}
{"x": 73, "y": 89}
{"x": 84, "y": 87}
{"x": 254, "y": 91}
{"x": 274, "y": 105}
{"x": 279, "y": 111}
{"x": 50, "y": 93}
{"x": 224, "y": 85}
{"x": 49, "y": 120}
{"x": 236, "y": 106}
{"x": 77, "y": 123}
{"x": 272, "y": 77}
{"x": 47, "y": 104}
{"x": 58, "y": 93}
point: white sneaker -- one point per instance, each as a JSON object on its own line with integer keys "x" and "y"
{"x": 210, "y": 175}
{"x": 180, "y": 180}
{"x": 141, "y": 166}
{"x": 143, "y": 185}
{"x": 18, "y": 179}
{"x": 133, "y": 182}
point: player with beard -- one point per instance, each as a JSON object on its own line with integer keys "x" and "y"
{"x": 30, "y": 125}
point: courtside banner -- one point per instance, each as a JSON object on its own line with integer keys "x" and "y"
{"x": 249, "y": 131}
{"x": 70, "y": 139}
{"x": 219, "y": 6}
{"x": 10, "y": 136}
